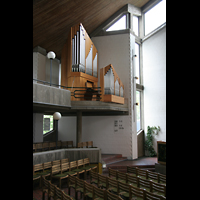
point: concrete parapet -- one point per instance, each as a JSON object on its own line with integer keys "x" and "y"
{"x": 45, "y": 94}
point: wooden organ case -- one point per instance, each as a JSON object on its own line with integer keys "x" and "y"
{"x": 111, "y": 86}
{"x": 79, "y": 62}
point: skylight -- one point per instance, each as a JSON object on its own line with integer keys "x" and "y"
{"x": 118, "y": 25}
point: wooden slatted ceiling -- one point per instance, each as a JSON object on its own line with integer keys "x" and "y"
{"x": 52, "y": 19}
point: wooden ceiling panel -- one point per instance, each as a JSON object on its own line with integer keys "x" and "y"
{"x": 52, "y": 19}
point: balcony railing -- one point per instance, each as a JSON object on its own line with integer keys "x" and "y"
{"x": 79, "y": 93}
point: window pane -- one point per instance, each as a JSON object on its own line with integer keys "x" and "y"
{"x": 47, "y": 123}
{"x": 137, "y": 62}
{"x": 118, "y": 25}
{"x": 138, "y": 110}
{"x": 155, "y": 17}
{"x": 135, "y": 24}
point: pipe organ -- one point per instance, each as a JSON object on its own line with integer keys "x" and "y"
{"x": 79, "y": 68}
{"x": 111, "y": 86}
{"x": 79, "y": 60}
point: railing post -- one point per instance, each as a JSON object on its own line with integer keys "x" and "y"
{"x": 78, "y": 128}
{"x": 50, "y": 70}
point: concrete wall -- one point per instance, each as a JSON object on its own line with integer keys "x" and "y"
{"x": 41, "y": 68}
{"x": 94, "y": 155}
{"x": 37, "y": 127}
{"x": 51, "y": 95}
{"x": 154, "y": 74}
{"x": 46, "y": 94}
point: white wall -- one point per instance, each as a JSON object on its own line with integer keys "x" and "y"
{"x": 67, "y": 129}
{"x": 105, "y": 135}
{"x": 115, "y": 50}
{"x": 154, "y": 74}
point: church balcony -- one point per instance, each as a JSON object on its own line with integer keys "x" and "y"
{"x": 48, "y": 99}
{"x": 67, "y": 100}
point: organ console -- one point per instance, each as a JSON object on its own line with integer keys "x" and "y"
{"x": 79, "y": 60}
{"x": 111, "y": 86}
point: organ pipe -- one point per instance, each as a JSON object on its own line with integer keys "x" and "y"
{"x": 112, "y": 83}
{"x": 84, "y": 53}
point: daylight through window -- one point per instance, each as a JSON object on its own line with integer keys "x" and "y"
{"x": 135, "y": 24}
{"x": 155, "y": 17}
{"x": 137, "y": 62}
{"x": 47, "y": 123}
{"x": 138, "y": 110}
{"x": 118, "y": 25}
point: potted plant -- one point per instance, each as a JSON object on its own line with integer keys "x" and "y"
{"x": 149, "y": 140}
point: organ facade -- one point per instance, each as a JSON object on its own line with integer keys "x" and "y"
{"x": 79, "y": 70}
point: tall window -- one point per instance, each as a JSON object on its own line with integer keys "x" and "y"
{"x": 118, "y": 25}
{"x": 155, "y": 17}
{"x": 137, "y": 62}
{"x": 135, "y": 25}
{"x": 47, "y": 123}
{"x": 138, "y": 110}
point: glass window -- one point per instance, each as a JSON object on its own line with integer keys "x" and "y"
{"x": 137, "y": 62}
{"x": 47, "y": 123}
{"x": 135, "y": 24}
{"x": 138, "y": 110}
{"x": 118, "y": 25}
{"x": 155, "y": 17}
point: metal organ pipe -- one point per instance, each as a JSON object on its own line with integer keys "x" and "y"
{"x": 116, "y": 87}
{"x": 77, "y": 51}
{"x": 89, "y": 62}
{"x": 121, "y": 92}
{"x": 81, "y": 63}
{"x": 95, "y": 66}
{"x": 109, "y": 82}
{"x": 82, "y": 51}
{"x": 111, "y": 86}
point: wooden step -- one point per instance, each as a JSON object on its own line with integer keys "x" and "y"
{"x": 112, "y": 158}
{"x": 114, "y": 162}
{"x": 124, "y": 168}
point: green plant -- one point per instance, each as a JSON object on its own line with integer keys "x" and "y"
{"x": 149, "y": 139}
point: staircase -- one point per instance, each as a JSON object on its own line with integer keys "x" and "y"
{"x": 117, "y": 162}
{"x": 112, "y": 158}
{"x": 109, "y": 159}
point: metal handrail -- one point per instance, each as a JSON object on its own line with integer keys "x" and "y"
{"x": 95, "y": 91}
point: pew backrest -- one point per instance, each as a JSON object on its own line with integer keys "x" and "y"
{"x": 55, "y": 169}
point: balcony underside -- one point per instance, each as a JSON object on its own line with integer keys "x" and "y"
{"x": 88, "y": 108}
{"x": 95, "y": 108}
{"x": 47, "y": 100}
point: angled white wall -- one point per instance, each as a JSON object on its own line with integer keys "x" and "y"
{"x": 113, "y": 134}
{"x": 154, "y": 74}
{"x": 115, "y": 50}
